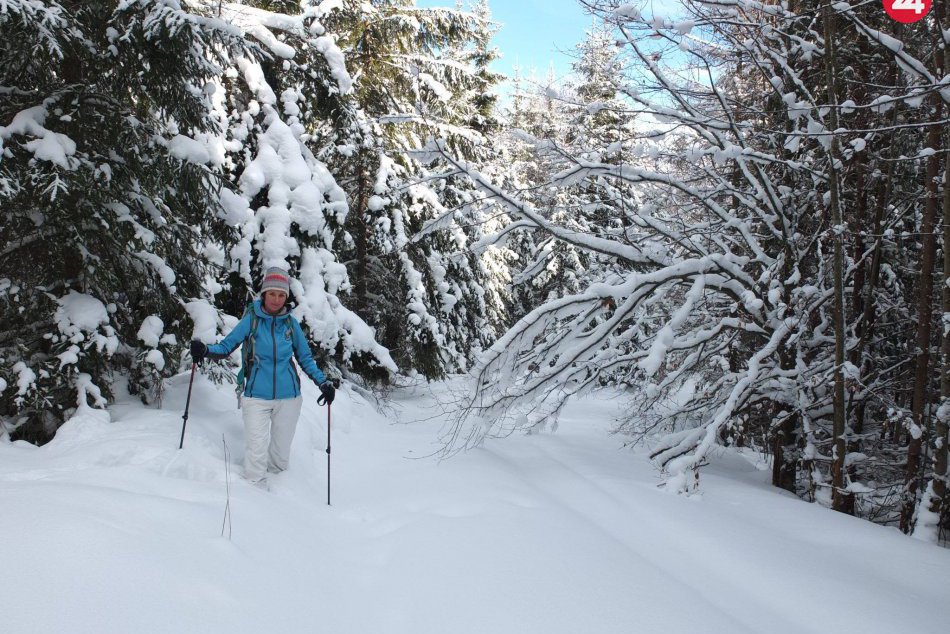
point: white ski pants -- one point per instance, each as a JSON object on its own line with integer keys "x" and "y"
{"x": 269, "y": 428}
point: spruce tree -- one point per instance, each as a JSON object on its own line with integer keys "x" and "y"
{"x": 276, "y": 104}
{"x": 105, "y": 190}
{"x": 416, "y": 83}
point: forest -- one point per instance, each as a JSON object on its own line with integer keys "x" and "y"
{"x": 734, "y": 219}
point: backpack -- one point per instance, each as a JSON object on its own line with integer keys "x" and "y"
{"x": 247, "y": 353}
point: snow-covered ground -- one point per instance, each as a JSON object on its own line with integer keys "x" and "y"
{"x": 111, "y": 528}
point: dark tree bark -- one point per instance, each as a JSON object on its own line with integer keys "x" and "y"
{"x": 938, "y": 505}
{"x": 936, "y": 501}
{"x": 842, "y": 500}
{"x": 924, "y": 329}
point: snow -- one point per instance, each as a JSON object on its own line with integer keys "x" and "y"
{"x": 26, "y": 378}
{"x": 943, "y": 412}
{"x": 190, "y": 150}
{"x": 324, "y": 314}
{"x": 155, "y": 358}
{"x": 259, "y": 23}
{"x": 268, "y": 39}
{"x": 892, "y": 43}
{"x": 85, "y": 388}
{"x": 205, "y": 319}
{"x": 551, "y": 533}
{"x": 376, "y": 203}
{"x": 78, "y": 313}
{"x": 48, "y": 146}
{"x": 53, "y": 147}
{"x": 442, "y": 93}
{"x": 683, "y": 27}
{"x": 70, "y": 357}
{"x": 150, "y": 332}
{"x": 165, "y": 272}
{"x": 628, "y": 11}
{"x": 237, "y": 209}
{"x": 927, "y": 527}
{"x": 335, "y": 60}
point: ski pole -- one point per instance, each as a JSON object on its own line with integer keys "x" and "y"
{"x": 184, "y": 419}
{"x": 328, "y": 454}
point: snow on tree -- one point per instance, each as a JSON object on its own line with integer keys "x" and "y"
{"x": 539, "y": 122}
{"x": 154, "y": 156}
{"x": 417, "y": 72}
{"x": 720, "y": 308}
{"x": 103, "y": 195}
{"x": 287, "y": 209}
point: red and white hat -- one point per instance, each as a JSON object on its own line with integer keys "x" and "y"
{"x": 276, "y": 279}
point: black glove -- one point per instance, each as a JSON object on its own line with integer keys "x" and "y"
{"x": 327, "y": 393}
{"x": 198, "y": 350}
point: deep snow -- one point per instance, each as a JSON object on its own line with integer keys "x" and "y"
{"x": 111, "y": 529}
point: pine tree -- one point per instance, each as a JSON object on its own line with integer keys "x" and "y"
{"x": 287, "y": 208}
{"x": 416, "y": 82}
{"x": 536, "y": 122}
{"x": 104, "y": 192}
{"x": 156, "y": 158}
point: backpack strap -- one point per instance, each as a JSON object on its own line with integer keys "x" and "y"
{"x": 247, "y": 351}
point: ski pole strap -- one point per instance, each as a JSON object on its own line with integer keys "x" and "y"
{"x": 322, "y": 400}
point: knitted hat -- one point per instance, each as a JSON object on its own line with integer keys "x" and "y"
{"x": 276, "y": 279}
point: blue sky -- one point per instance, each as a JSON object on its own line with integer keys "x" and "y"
{"x": 534, "y": 33}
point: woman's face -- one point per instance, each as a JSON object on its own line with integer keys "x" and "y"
{"x": 274, "y": 301}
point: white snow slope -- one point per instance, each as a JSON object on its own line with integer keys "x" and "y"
{"x": 110, "y": 528}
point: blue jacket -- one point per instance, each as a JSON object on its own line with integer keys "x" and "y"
{"x": 277, "y": 340}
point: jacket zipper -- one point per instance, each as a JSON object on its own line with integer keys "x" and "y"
{"x": 273, "y": 336}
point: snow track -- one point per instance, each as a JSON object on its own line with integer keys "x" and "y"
{"x": 110, "y": 528}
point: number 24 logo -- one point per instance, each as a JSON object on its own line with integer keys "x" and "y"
{"x": 907, "y": 11}
{"x": 917, "y": 6}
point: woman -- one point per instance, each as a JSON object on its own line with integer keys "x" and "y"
{"x": 271, "y": 404}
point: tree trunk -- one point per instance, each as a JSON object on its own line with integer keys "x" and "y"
{"x": 361, "y": 230}
{"x": 924, "y": 328}
{"x": 842, "y": 500}
{"x": 786, "y": 453}
{"x": 869, "y": 314}
{"x": 933, "y": 504}
{"x": 938, "y": 507}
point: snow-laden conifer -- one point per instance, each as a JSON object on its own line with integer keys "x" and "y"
{"x": 103, "y": 194}
{"x": 286, "y": 208}
{"x": 417, "y": 73}
{"x": 154, "y": 158}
